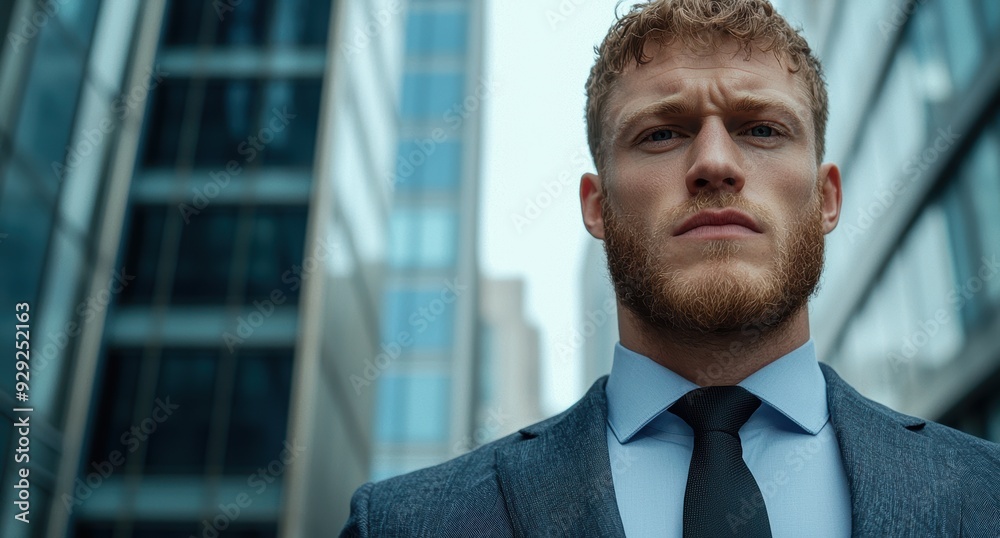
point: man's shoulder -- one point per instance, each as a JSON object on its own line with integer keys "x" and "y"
{"x": 462, "y": 494}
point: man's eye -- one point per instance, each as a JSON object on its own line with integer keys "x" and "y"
{"x": 661, "y": 135}
{"x": 762, "y": 130}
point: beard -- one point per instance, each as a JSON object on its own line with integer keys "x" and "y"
{"x": 725, "y": 299}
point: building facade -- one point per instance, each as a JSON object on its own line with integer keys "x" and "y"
{"x": 425, "y": 390}
{"x": 196, "y": 196}
{"x": 908, "y": 310}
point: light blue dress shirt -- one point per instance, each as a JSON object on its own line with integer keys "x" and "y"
{"x": 788, "y": 444}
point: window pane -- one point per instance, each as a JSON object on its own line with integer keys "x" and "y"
{"x": 964, "y": 44}
{"x": 187, "y": 380}
{"x": 259, "y": 418}
{"x": 250, "y": 121}
{"x": 432, "y": 96}
{"x": 50, "y": 96}
{"x": 249, "y": 22}
{"x": 423, "y": 237}
{"x": 25, "y": 221}
{"x": 413, "y": 408}
{"x": 426, "y": 315}
{"x": 427, "y": 165}
{"x": 205, "y": 263}
{"x": 435, "y": 31}
{"x": 982, "y": 174}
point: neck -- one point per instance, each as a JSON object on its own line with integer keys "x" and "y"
{"x": 714, "y": 358}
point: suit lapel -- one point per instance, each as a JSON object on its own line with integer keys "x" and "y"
{"x": 901, "y": 484}
{"x": 557, "y": 480}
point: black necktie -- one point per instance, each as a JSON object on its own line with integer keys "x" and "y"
{"x": 722, "y": 497}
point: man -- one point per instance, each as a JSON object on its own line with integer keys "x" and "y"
{"x": 706, "y": 121}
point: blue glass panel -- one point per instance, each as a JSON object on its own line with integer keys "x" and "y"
{"x": 430, "y": 96}
{"x": 427, "y": 316}
{"x": 180, "y": 439}
{"x": 437, "y": 31}
{"x": 413, "y": 408}
{"x": 964, "y": 45}
{"x": 250, "y": 121}
{"x": 25, "y": 225}
{"x": 259, "y": 417}
{"x": 427, "y": 165}
{"x": 248, "y": 22}
{"x": 424, "y": 237}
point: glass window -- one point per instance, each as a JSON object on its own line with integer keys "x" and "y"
{"x": 965, "y": 47}
{"x": 251, "y": 121}
{"x": 424, "y": 164}
{"x": 991, "y": 18}
{"x": 426, "y": 314}
{"x": 187, "y": 379}
{"x": 413, "y": 408}
{"x": 50, "y": 97}
{"x": 981, "y": 174}
{"x": 432, "y": 96}
{"x": 425, "y": 237}
{"x": 436, "y": 31}
{"x": 204, "y": 264}
{"x": 924, "y": 39}
{"x": 249, "y": 22}
{"x": 25, "y": 225}
{"x": 259, "y": 417}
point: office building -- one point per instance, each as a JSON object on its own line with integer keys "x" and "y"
{"x": 909, "y": 308}
{"x": 196, "y": 195}
{"x": 425, "y": 392}
{"x": 508, "y": 371}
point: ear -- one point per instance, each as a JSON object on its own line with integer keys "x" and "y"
{"x": 832, "y": 194}
{"x": 591, "y": 196}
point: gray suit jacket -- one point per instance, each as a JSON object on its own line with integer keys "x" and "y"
{"x": 908, "y": 477}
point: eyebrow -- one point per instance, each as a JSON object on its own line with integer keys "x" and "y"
{"x": 675, "y": 106}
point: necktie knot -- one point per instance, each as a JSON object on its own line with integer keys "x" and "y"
{"x": 724, "y": 409}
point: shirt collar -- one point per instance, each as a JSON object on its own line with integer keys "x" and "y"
{"x": 639, "y": 390}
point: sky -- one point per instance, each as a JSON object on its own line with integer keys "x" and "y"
{"x": 538, "y": 55}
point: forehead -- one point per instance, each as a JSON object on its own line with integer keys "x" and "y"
{"x": 705, "y": 82}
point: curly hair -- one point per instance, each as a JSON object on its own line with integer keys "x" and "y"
{"x": 701, "y": 25}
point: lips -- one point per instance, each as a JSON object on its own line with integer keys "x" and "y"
{"x": 718, "y": 217}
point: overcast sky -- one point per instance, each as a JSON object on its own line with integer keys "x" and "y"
{"x": 538, "y": 54}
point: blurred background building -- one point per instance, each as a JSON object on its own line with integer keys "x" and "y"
{"x": 425, "y": 400}
{"x": 908, "y": 310}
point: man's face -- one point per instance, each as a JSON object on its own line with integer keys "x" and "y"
{"x": 714, "y": 210}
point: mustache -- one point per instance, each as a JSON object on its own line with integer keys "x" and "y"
{"x": 702, "y": 201}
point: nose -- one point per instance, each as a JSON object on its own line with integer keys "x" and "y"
{"x": 715, "y": 160}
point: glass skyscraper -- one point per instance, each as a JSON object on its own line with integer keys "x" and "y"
{"x": 426, "y": 396}
{"x": 910, "y": 305}
{"x": 195, "y": 204}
